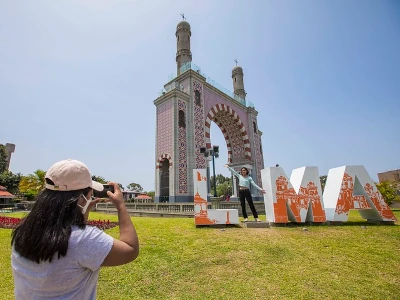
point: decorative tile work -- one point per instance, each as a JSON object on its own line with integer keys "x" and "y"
{"x": 199, "y": 140}
{"x": 183, "y": 180}
{"x": 165, "y": 127}
{"x": 211, "y": 99}
{"x": 238, "y": 139}
{"x": 235, "y": 139}
{"x": 257, "y": 152}
{"x": 213, "y": 104}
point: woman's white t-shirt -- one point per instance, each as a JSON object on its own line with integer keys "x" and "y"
{"x": 73, "y": 276}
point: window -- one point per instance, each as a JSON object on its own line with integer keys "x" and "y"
{"x": 235, "y": 79}
{"x": 178, "y": 38}
{"x": 181, "y": 122}
{"x": 255, "y": 127}
{"x": 197, "y": 98}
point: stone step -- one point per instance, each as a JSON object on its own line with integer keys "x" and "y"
{"x": 253, "y": 224}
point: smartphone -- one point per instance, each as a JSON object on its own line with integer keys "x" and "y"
{"x": 103, "y": 193}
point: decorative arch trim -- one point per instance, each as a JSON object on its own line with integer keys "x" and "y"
{"x": 161, "y": 158}
{"x": 211, "y": 117}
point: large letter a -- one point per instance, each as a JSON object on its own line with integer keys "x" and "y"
{"x": 350, "y": 187}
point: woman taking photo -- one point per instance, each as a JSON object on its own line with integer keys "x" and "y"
{"x": 55, "y": 255}
{"x": 244, "y": 191}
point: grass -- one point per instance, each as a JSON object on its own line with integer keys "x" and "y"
{"x": 179, "y": 261}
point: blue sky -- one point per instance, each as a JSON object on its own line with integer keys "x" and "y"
{"x": 78, "y": 79}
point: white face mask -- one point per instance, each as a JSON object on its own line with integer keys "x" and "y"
{"x": 84, "y": 208}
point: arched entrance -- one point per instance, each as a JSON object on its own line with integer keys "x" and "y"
{"x": 186, "y": 107}
{"x": 164, "y": 180}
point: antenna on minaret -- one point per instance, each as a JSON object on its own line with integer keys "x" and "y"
{"x": 183, "y": 16}
{"x": 236, "y": 61}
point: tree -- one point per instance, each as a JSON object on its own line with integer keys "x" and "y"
{"x": 99, "y": 179}
{"x": 323, "y": 181}
{"x": 10, "y": 181}
{"x": 219, "y": 179}
{"x": 390, "y": 191}
{"x": 32, "y": 184}
{"x": 151, "y": 194}
{"x": 136, "y": 187}
{"x": 3, "y": 159}
{"x": 224, "y": 189}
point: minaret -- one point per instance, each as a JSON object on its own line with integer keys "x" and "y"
{"x": 238, "y": 84}
{"x": 10, "y": 148}
{"x": 183, "y": 54}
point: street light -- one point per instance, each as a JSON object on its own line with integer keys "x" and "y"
{"x": 214, "y": 152}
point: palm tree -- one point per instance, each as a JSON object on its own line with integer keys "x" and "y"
{"x": 33, "y": 183}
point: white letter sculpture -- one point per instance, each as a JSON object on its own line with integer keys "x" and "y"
{"x": 350, "y": 187}
{"x": 203, "y": 215}
{"x": 300, "y": 200}
{"x": 297, "y": 200}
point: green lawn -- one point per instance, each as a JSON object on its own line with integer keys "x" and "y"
{"x": 179, "y": 261}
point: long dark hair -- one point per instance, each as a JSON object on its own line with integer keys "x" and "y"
{"x": 247, "y": 170}
{"x": 45, "y": 231}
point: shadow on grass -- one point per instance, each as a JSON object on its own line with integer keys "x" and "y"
{"x": 219, "y": 226}
{"x": 336, "y": 224}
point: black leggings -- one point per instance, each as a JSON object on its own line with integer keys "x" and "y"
{"x": 245, "y": 194}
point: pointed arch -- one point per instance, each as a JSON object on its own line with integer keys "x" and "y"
{"x": 213, "y": 116}
{"x": 162, "y": 158}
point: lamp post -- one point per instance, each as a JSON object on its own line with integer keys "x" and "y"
{"x": 214, "y": 153}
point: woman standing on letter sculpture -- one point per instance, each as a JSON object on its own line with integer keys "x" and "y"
{"x": 244, "y": 191}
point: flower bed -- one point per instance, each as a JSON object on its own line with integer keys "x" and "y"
{"x": 11, "y": 223}
{"x": 103, "y": 225}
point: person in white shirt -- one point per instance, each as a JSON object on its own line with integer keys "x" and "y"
{"x": 244, "y": 192}
{"x": 55, "y": 255}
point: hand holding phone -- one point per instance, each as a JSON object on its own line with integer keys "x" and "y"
{"x": 103, "y": 193}
{"x": 115, "y": 196}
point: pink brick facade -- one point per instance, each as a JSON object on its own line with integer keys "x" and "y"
{"x": 183, "y": 127}
{"x": 165, "y": 117}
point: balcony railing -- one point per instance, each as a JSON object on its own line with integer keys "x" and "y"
{"x": 192, "y": 66}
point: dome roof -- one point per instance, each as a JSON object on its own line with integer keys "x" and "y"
{"x": 237, "y": 69}
{"x": 183, "y": 24}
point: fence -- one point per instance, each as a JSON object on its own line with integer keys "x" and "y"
{"x": 174, "y": 209}
{"x": 259, "y": 205}
{"x": 197, "y": 69}
{"x": 12, "y": 207}
{"x": 183, "y": 209}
